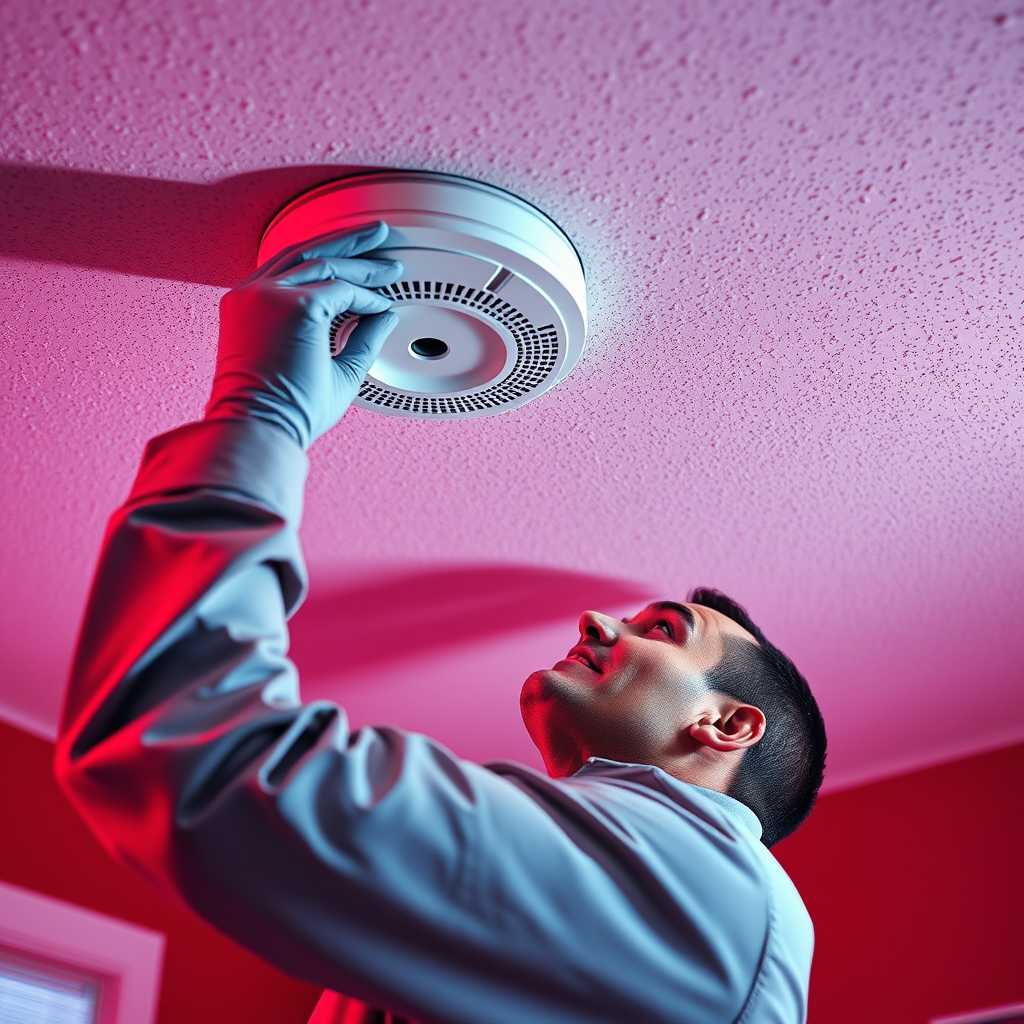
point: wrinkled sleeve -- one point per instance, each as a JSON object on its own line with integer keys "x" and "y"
{"x": 372, "y": 862}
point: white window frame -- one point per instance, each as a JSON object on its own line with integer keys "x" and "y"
{"x": 124, "y": 959}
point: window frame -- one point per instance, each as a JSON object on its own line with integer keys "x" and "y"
{"x": 69, "y": 942}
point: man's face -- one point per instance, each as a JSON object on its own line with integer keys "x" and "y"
{"x": 647, "y": 688}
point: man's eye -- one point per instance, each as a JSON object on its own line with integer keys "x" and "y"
{"x": 665, "y": 626}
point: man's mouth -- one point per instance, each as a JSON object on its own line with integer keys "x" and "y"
{"x": 584, "y": 657}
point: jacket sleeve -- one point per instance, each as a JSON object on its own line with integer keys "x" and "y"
{"x": 372, "y": 862}
{"x": 341, "y": 857}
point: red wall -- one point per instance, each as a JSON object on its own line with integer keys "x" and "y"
{"x": 909, "y": 883}
{"x": 914, "y": 886}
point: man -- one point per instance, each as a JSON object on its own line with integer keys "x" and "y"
{"x": 627, "y": 885}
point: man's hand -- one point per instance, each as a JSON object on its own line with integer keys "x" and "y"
{"x": 274, "y": 356}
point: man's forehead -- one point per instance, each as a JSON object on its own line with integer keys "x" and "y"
{"x": 724, "y": 624}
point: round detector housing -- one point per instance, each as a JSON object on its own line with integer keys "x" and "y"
{"x": 492, "y": 304}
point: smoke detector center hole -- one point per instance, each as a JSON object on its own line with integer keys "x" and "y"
{"x": 429, "y": 348}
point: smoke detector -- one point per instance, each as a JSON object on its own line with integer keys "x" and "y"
{"x": 492, "y": 305}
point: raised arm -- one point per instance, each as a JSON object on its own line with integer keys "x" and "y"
{"x": 372, "y": 862}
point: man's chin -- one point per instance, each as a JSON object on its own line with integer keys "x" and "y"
{"x": 547, "y": 681}
{"x": 537, "y": 684}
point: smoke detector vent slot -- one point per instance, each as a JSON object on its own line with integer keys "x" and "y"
{"x": 460, "y": 349}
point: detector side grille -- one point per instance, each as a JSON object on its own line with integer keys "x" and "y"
{"x": 536, "y": 352}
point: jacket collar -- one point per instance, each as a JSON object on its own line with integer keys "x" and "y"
{"x": 739, "y": 813}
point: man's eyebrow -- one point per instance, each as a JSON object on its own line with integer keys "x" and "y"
{"x": 671, "y": 606}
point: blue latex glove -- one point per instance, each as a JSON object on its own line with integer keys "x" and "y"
{"x": 274, "y": 354}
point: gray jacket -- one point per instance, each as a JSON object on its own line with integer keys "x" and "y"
{"x": 410, "y": 883}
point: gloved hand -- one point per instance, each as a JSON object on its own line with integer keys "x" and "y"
{"x": 274, "y": 354}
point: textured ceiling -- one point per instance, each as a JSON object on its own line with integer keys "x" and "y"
{"x": 802, "y": 225}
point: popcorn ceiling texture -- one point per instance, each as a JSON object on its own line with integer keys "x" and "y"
{"x": 802, "y": 225}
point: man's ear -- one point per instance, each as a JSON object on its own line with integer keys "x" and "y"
{"x": 737, "y": 727}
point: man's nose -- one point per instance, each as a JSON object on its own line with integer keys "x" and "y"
{"x": 598, "y": 626}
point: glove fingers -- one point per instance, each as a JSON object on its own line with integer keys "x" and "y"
{"x": 364, "y": 345}
{"x": 351, "y": 242}
{"x": 343, "y": 296}
{"x": 372, "y": 273}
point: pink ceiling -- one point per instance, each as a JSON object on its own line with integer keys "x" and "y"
{"x": 802, "y": 225}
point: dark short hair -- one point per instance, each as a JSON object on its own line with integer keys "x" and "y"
{"x": 779, "y": 777}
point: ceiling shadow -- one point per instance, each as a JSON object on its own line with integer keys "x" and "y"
{"x": 149, "y": 227}
{"x": 342, "y": 631}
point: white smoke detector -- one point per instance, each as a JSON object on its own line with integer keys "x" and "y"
{"x": 492, "y": 305}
